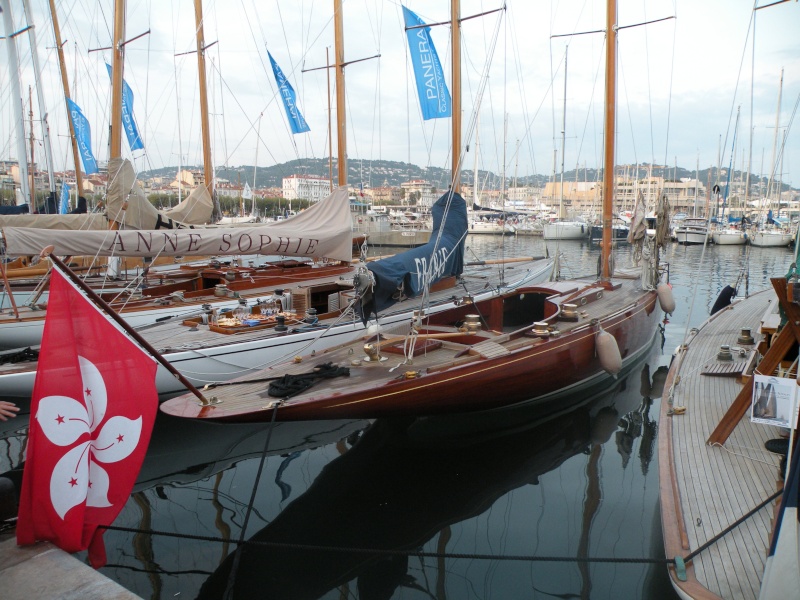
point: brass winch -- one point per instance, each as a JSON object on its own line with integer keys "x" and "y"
{"x": 472, "y": 323}
{"x": 569, "y": 312}
{"x": 541, "y": 328}
{"x": 745, "y": 337}
{"x": 725, "y": 353}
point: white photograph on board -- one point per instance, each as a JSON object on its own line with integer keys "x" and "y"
{"x": 774, "y": 401}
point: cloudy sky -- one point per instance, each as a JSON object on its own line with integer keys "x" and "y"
{"x": 682, "y": 81}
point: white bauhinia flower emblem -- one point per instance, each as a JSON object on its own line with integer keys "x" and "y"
{"x": 77, "y": 476}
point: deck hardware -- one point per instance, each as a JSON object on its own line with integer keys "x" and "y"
{"x": 745, "y": 337}
{"x": 541, "y": 328}
{"x": 209, "y": 401}
{"x": 725, "y": 353}
{"x": 472, "y": 323}
{"x": 569, "y": 312}
{"x": 373, "y": 353}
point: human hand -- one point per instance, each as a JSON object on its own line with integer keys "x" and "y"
{"x": 8, "y": 410}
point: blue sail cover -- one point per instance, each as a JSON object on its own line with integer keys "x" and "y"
{"x": 434, "y": 98}
{"x": 407, "y": 274}
{"x": 63, "y": 204}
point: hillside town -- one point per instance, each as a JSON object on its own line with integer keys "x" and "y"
{"x": 567, "y": 198}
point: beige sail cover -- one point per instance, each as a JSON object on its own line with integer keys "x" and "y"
{"x": 321, "y": 231}
{"x": 126, "y": 203}
{"x": 64, "y": 222}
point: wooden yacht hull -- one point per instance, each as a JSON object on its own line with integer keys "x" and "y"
{"x": 705, "y": 487}
{"x": 204, "y": 356}
{"x": 476, "y": 376}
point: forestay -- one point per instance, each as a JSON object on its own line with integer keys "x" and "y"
{"x": 321, "y": 231}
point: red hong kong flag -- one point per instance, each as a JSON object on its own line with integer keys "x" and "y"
{"x": 94, "y": 403}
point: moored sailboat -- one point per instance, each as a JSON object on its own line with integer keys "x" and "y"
{"x": 533, "y": 346}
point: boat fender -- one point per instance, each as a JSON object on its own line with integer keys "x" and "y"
{"x": 608, "y": 352}
{"x": 724, "y": 299}
{"x": 665, "y": 298}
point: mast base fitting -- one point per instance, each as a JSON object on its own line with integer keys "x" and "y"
{"x": 209, "y": 401}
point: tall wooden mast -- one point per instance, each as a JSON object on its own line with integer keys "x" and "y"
{"x": 117, "y": 68}
{"x": 208, "y": 168}
{"x": 609, "y": 128}
{"x": 341, "y": 117}
{"x": 455, "y": 26}
{"x": 76, "y": 158}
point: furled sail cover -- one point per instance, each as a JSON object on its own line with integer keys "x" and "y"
{"x": 127, "y": 204}
{"x": 73, "y": 222}
{"x": 406, "y": 274}
{"x": 322, "y": 231}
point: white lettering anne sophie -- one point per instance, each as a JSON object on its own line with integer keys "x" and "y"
{"x": 189, "y": 241}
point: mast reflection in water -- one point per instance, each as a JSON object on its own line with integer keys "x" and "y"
{"x": 326, "y": 520}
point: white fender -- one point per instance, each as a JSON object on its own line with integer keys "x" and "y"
{"x": 665, "y": 298}
{"x": 608, "y": 352}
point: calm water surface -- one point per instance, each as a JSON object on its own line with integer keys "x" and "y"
{"x": 485, "y": 498}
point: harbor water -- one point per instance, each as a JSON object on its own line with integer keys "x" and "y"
{"x": 502, "y": 505}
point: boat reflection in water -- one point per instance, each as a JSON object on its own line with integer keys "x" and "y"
{"x": 402, "y": 484}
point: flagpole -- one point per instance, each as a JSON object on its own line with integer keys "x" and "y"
{"x": 47, "y": 252}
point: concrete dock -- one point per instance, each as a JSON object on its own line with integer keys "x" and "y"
{"x": 44, "y": 571}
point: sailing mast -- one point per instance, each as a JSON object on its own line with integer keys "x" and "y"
{"x": 455, "y": 26}
{"x": 208, "y": 168}
{"x": 65, "y": 82}
{"x": 16, "y": 100}
{"x": 341, "y": 120}
{"x": 37, "y": 72}
{"x": 561, "y": 213}
{"x": 117, "y": 67}
{"x": 609, "y": 128}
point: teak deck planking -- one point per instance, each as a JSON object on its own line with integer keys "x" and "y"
{"x": 714, "y": 486}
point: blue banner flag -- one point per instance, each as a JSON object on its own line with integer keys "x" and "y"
{"x": 296, "y": 120}
{"x": 63, "y": 205}
{"x": 128, "y": 122}
{"x": 83, "y": 135}
{"x": 434, "y": 99}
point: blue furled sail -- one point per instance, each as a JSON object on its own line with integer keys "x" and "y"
{"x": 434, "y": 98}
{"x": 83, "y": 135}
{"x": 407, "y": 274}
{"x": 63, "y": 204}
{"x": 128, "y": 122}
{"x": 296, "y": 120}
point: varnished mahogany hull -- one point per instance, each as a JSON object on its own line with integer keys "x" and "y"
{"x": 541, "y": 375}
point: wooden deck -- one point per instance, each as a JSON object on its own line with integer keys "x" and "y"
{"x": 705, "y": 489}
{"x": 174, "y": 336}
